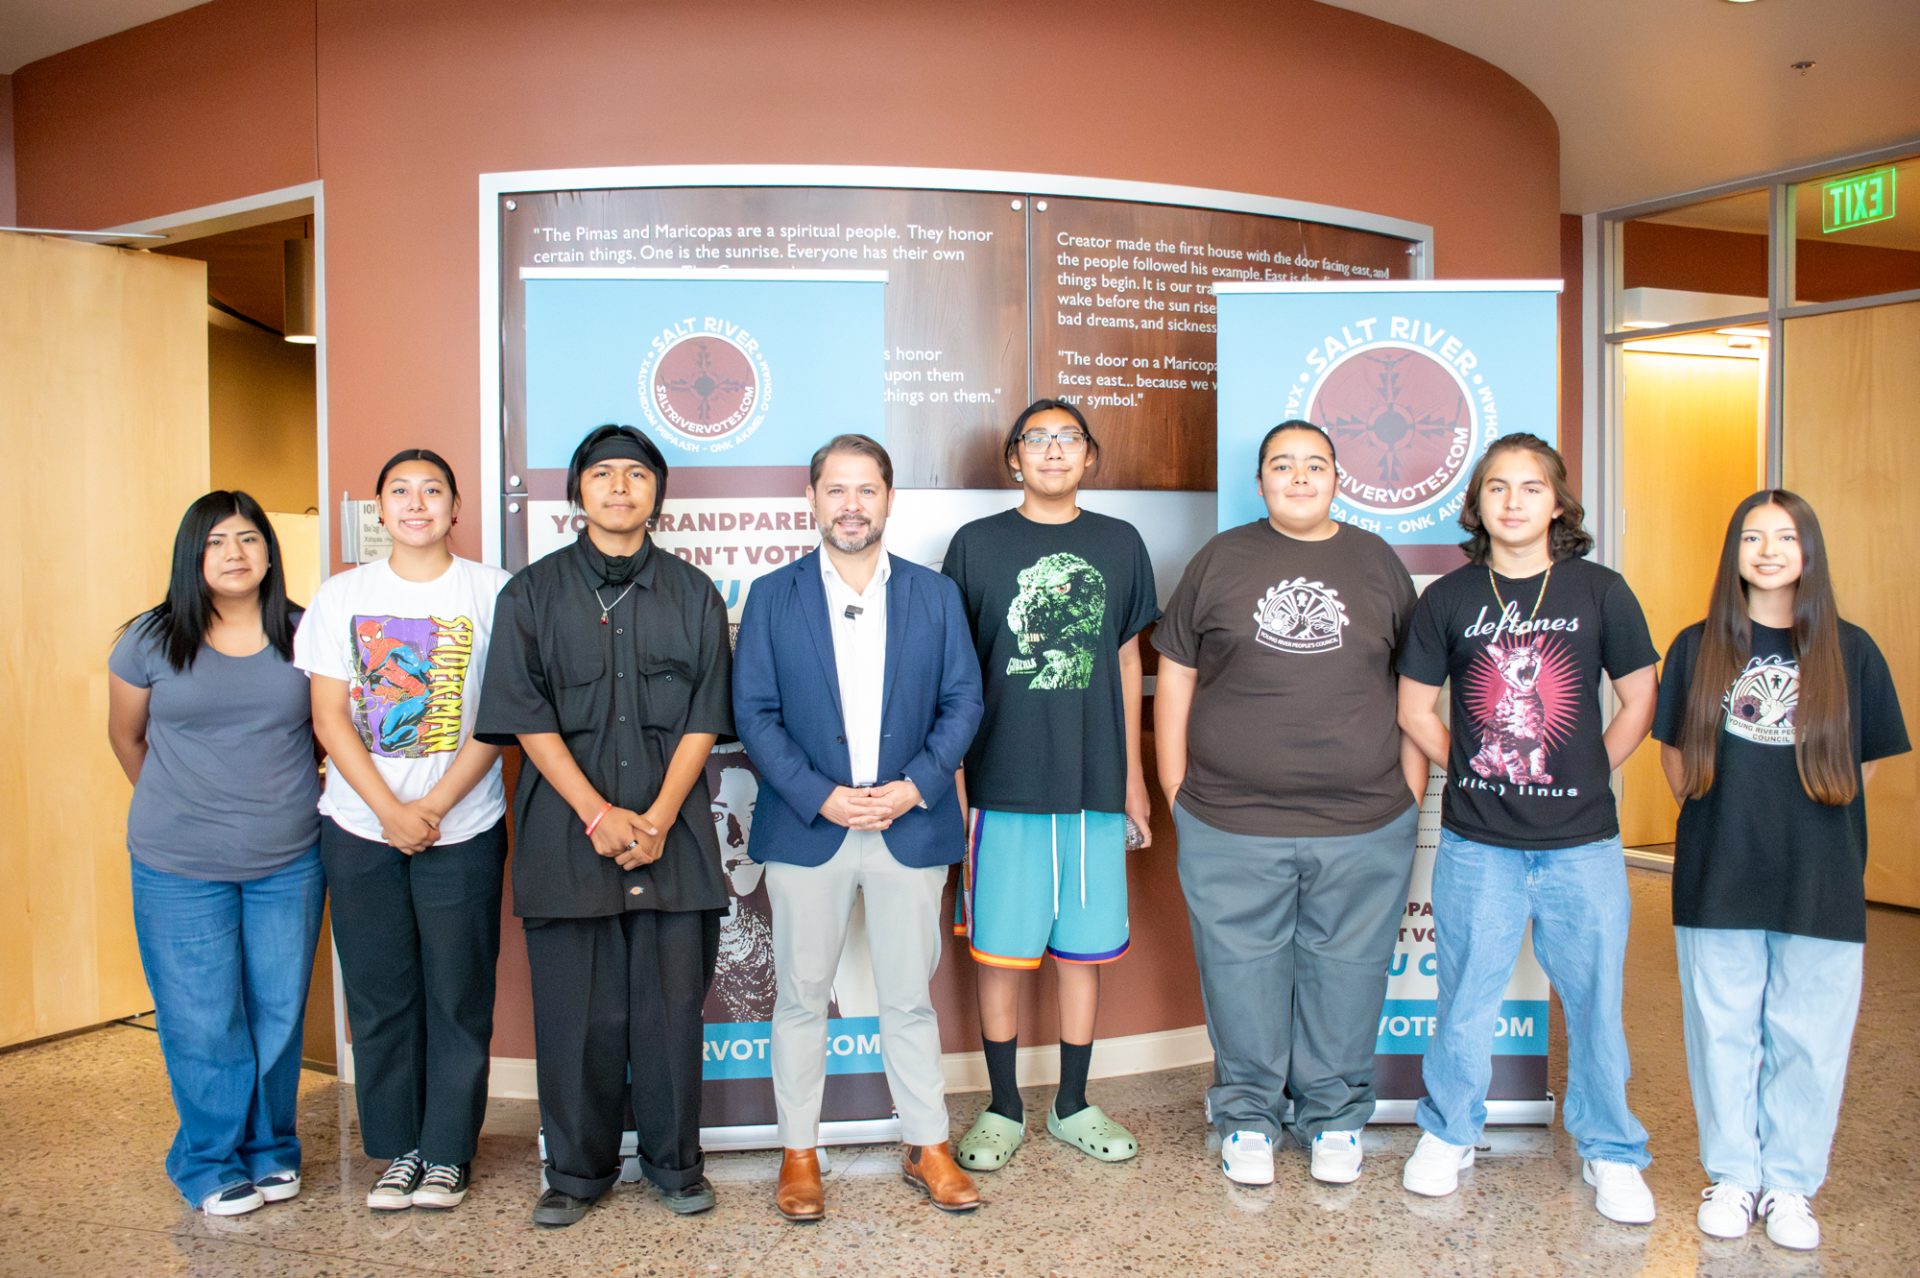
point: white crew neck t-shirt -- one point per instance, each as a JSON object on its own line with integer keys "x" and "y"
{"x": 411, "y": 654}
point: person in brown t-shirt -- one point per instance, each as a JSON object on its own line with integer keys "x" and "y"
{"x": 1295, "y": 798}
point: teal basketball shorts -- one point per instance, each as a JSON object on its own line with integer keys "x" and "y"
{"x": 1039, "y": 883}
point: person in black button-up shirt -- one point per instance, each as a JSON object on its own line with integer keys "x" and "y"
{"x": 610, "y": 668}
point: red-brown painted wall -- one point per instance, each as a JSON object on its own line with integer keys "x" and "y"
{"x": 399, "y": 108}
{"x": 7, "y": 217}
{"x": 1656, "y": 255}
{"x": 1572, "y": 348}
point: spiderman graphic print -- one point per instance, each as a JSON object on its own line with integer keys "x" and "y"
{"x": 408, "y": 683}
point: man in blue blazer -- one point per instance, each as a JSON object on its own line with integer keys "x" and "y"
{"x": 856, "y": 693}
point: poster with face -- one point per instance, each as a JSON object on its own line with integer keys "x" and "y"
{"x": 738, "y": 1087}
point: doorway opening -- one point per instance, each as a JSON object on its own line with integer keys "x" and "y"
{"x": 1693, "y": 428}
{"x": 266, "y": 411}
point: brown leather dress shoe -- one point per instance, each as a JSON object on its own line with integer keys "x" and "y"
{"x": 800, "y": 1197}
{"x": 932, "y": 1168}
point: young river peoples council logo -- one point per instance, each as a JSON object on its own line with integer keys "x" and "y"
{"x": 705, "y": 384}
{"x": 1408, "y": 413}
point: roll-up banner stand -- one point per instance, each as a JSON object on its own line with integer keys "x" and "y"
{"x": 738, "y": 376}
{"x": 1412, "y": 380}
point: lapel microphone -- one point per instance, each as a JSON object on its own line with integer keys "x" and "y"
{"x": 853, "y": 612}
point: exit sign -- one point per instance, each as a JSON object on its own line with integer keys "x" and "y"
{"x": 1857, "y": 199}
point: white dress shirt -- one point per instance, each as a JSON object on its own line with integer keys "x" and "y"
{"x": 860, "y": 658}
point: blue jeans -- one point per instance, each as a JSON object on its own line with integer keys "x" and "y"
{"x": 1769, "y": 1019}
{"x": 1576, "y": 898}
{"x": 228, "y": 965}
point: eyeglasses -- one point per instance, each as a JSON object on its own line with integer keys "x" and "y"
{"x": 1070, "y": 441}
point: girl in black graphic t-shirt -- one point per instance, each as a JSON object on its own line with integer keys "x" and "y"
{"x": 1771, "y": 717}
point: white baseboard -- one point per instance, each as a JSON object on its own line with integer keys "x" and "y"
{"x": 512, "y": 1077}
{"x": 1647, "y": 859}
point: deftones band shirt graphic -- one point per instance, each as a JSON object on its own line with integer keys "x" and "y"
{"x": 1292, "y": 732}
{"x": 1522, "y": 698}
{"x": 1527, "y": 766}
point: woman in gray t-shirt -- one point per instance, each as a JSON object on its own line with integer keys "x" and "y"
{"x": 212, "y": 724}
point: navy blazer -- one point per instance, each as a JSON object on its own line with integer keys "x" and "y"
{"x": 786, "y": 699}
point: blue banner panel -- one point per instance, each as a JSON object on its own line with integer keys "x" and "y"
{"x": 742, "y": 1049}
{"x": 719, "y": 370}
{"x": 1412, "y": 382}
{"x": 1407, "y": 1023}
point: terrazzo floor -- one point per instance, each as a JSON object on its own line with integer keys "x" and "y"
{"x": 85, "y": 1121}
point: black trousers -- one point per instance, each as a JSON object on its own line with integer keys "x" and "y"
{"x": 616, "y": 1017}
{"x": 419, "y": 937}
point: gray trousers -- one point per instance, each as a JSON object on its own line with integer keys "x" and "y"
{"x": 1293, "y": 938}
{"x": 811, "y": 905}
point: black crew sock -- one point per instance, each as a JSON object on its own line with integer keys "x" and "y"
{"x": 1072, "y": 1096}
{"x": 1000, "y": 1076}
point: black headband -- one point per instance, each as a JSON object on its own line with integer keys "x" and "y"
{"x": 626, "y": 444}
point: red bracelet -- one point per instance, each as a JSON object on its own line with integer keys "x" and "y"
{"x": 596, "y": 819}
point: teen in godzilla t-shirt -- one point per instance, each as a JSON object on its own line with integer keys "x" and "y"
{"x": 1528, "y": 767}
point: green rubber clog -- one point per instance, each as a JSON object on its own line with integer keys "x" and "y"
{"x": 990, "y": 1142}
{"x": 1092, "y": 1133}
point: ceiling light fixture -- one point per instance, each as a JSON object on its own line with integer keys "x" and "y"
{"x": 1740, "y": 331}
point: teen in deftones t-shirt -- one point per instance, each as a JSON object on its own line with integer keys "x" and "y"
{"x": 1528, "y": 831}
{"x": 1772, "y": 714}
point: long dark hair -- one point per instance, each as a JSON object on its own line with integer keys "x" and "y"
{"x": 180, "y": 621}
{"x": 1566, "y": 539}
{"x": 1822, "y": 732}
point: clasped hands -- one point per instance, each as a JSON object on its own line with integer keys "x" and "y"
{"x": 632, "y": 839}
{"x": 411, "y": 827}
{"x": 870, "y": 807}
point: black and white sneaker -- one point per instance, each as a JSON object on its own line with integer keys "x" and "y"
{"x": 443, "y": 1186}
{"x": 277, "y": 1187}
{"x": 394, "y": 1190}
{"x": 238, "y": 1201}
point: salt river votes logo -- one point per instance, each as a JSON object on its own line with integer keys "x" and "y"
{"x": 1403, "y": 423}
{"x": 706, "y": 384}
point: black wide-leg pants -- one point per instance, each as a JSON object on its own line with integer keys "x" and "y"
{"x": 418, "y": 937}
{"x": 617, "y": 1015}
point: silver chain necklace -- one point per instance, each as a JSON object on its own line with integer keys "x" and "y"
{"x": 606, "y": 607}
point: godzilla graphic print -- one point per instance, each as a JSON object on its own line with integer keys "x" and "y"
{"x": 1056, "y": 622}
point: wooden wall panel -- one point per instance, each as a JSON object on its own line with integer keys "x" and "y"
{"x": 1852, "y": 448}
{"x": 1690, "y": 451}
{"x": 103, "y": 421}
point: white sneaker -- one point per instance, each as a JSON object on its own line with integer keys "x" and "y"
{"x": 1433, "y": 1170}
{"x": 1790, "y": 1221}
{"x": 1247, "y": 1158}
{"x": 1726, "y": 1211}
{"x": 277, "y": 1187}
{"x": 238, "y": 1201}
{"x": 1619, "y": 1191}
{"x": 1336, "y": 1157}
